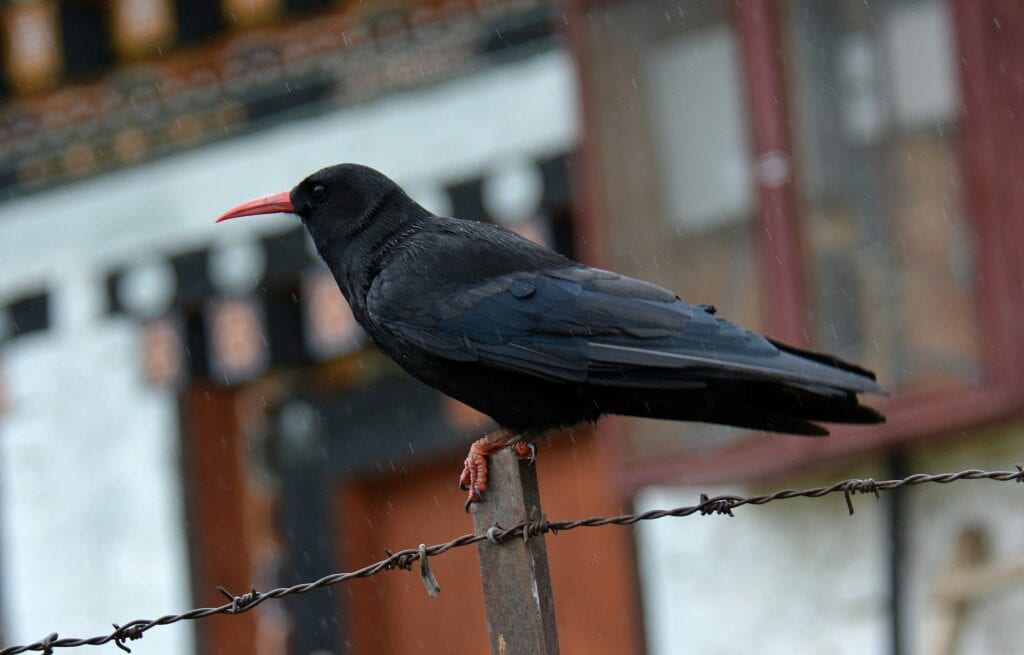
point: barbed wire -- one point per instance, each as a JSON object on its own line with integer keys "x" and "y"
{"x": 403, "y": 559}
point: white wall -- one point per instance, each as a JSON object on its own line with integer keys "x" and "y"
{"x": 90, "y": 494}
{"x": 795, "y": 576}
{"x": 90, "y": 497}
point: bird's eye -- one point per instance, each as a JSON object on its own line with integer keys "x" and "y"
{"x": 319, "y": 191}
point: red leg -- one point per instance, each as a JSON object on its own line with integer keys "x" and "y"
{"x": 474, "y": 470}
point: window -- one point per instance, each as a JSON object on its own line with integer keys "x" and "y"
{"x": 86, "y": 38}
{"x": 197, "y": 20}
{"x": 699, "y": 119}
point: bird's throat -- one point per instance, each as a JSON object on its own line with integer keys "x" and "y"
{"x": 358, "y": 259}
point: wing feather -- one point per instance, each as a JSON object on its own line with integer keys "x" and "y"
{"x": 583, "y": 325}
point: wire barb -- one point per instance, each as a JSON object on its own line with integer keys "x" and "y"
{"x": 717, "y": 505}
{"x": 851, "y": 487}
{"x": 240, "y": 603}
{"x": 130, "y": 632}
{"x": 496, "y": 534}
{"x": 536, "y": 527}
{"x": 402, "y": 560}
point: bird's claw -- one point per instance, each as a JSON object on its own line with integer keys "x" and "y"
{"x": 475, "y": 496}
{"x": 474, "y": 470}
{"x": 526, "y": 450}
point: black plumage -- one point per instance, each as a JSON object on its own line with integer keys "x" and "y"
{"x": 538, "y": 341}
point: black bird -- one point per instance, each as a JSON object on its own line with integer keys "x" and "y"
{"x": 538, "y": 341}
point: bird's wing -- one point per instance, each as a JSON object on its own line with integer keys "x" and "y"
{"x": 584, "y": 325}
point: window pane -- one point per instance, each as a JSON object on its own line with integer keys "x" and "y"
{"x": 876, "y": 103}
{"x": 698, "y": 115}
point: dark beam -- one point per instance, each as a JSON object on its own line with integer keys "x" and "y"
{"x": 776, "y": 221}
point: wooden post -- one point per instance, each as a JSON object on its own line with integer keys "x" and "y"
{"x": 517, "y": 585}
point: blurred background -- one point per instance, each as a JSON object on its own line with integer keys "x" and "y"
{"x": 184, "y": 406}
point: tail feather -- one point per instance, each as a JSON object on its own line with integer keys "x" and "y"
{"x": 610, "y": 363}
{"x": 814, "y": 406}
{"x": 824, "y": 358}
{"x": 749, "y": 404}
{"x": 692, "y": 407}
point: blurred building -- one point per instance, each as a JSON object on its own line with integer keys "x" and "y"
{"x": 184, "y": 405}
{"x": 843, "y": 175}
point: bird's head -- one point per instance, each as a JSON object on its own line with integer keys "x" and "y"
{"x": 336, "y": 204}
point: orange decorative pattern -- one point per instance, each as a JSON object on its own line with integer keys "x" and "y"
{"x": 238, "y": 344}
{"x": 162, "y": 348}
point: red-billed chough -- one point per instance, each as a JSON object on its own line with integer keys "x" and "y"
{"x": 538, "y": 341}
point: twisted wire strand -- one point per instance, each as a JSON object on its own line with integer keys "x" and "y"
{"x": 404, "y": 559}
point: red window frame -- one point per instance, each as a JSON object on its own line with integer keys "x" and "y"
{"x": 987, "y": 32}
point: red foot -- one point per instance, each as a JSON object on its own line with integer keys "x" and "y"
{"x": 474, "y": 470}
{"x": 525, "y": 450}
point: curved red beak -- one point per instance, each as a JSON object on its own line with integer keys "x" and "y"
{"x": 275, "y": 203}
